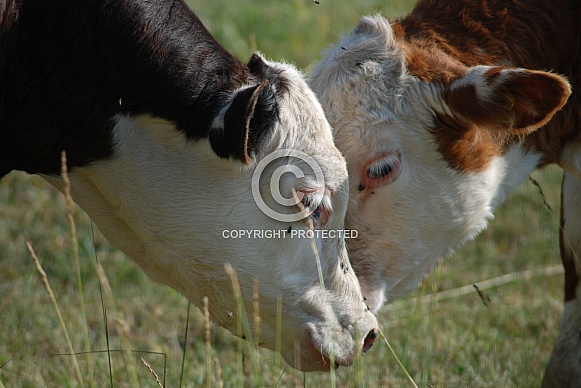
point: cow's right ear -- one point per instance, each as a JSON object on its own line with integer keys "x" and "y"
{"x": 510, "y": 100}
{"x": 247, "y": 123}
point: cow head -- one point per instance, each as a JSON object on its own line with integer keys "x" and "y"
{"x": 432, "y": 147}
{"x": 183, "y": 209}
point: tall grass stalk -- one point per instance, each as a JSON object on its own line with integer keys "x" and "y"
{"x": 278, "y": 333}
{"x": 104, "y": 311}
{"x": 242, "y": 320}
{"x": 208, "y": 343}
{"x": 323, "y": 289}
{"x": 256, "y": 312}
{"x": 185, "y": 345}
{"x": 398, "y": 360}
{"x": 571, "y": 248}
{"x": 127, "y": 354}
{"x": 548, "y": 206}
{"x": 74, "y": 241}
{"x": 148, "y": 366}
{"x": 1, "y": 366}
{"x": 58, "y": 311}
{"x": 529, "y": 274}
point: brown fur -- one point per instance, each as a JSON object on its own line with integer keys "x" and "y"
{"x": 467, "y": 147}
{"x": 506, "y": 33}
{"x": 441, "y": 40}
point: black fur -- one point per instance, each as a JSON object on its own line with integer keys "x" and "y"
{"x": 246, "y": 123}
{"x": 67, "y": 67}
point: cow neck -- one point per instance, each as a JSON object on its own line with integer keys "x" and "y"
{"x": 69, "y": 67}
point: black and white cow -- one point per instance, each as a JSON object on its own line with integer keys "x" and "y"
{"x": 163, "y": 130}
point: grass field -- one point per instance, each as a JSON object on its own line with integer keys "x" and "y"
{"x": 501, "y": 339}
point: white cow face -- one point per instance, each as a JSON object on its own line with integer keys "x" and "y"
{"x": 181, "y": 212}
{"x": 428, "y": 161}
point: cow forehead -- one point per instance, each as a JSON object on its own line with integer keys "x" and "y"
{"x": 365, "y": 77}
{"x": 303, "y": 119}
{"x": 374, "y": 79}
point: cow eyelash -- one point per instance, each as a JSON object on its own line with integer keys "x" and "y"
{"x": 319, "y": 206}
{"x": 381, "y": 170}
{"x": 382, "y": 167}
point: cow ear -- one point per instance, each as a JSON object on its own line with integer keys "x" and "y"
{"x": 507, "y": 99}
{"x": 246, "y": 124}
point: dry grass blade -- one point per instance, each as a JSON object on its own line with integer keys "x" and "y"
{"x": 398, "y": 360}
{"x": 483, "y": 285}
{"x": 121, "y": 325}
{"x": 74, "y": 241}
{"x": 104, "y": 312}
{"x": 321, "y": 280}
{"x": 57, "y": 309}
{"x": 219, "y": 382}
{"x": 548, "y": 206}
{"x": 208, "y": 343}
{"x": 256, "y": 313}
{"x": 278, "y": 333}
{"x": 541, "y": 192}
{"x": 243, "y": 321}
{"x": 152, "y": 372}
{"x": 185, "y": 344}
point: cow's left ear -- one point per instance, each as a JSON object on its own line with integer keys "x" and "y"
{"x": 507, "y": 99}
{"x": 247, "y": 123}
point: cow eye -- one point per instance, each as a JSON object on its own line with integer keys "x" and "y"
{"x": 381, "y": 170}
{"x": 320, "y": 215}
{"x": 318, "y": 207}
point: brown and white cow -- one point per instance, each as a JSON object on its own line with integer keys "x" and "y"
{"x": 163, "y": 130}
{"x": 440, "y": 116}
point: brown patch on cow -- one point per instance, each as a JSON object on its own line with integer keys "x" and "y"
{"x": 472, "y": 33}
{"x": 482, "y": 128}
{"x": 535, "y": 99}
{"x": 440, "y": 49}
{"x": 463, "y": 145}
{"x": 466, "y": 33}
{"x": 515, "y": 106}
{"x": 493, "y": 73}
{"x": 511, "y": 111}
{"x": 425, "y": 61}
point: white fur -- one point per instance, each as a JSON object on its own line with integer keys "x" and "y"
{"x": 374, "y": 107}
{"x": 166, "y": 201}
{"x": 406, "y": 223}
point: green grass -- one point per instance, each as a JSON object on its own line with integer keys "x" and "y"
{"x": 455, "y": 342}
{"x": 292, "y": 30}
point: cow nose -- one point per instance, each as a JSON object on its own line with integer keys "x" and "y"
{"x": 369, "y": 340}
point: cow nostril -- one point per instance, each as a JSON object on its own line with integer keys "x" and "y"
{"x": 369, "y": 340}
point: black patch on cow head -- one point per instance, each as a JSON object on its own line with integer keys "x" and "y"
{"x": 248, "y": 121}
{"x": 252, "y": 114}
